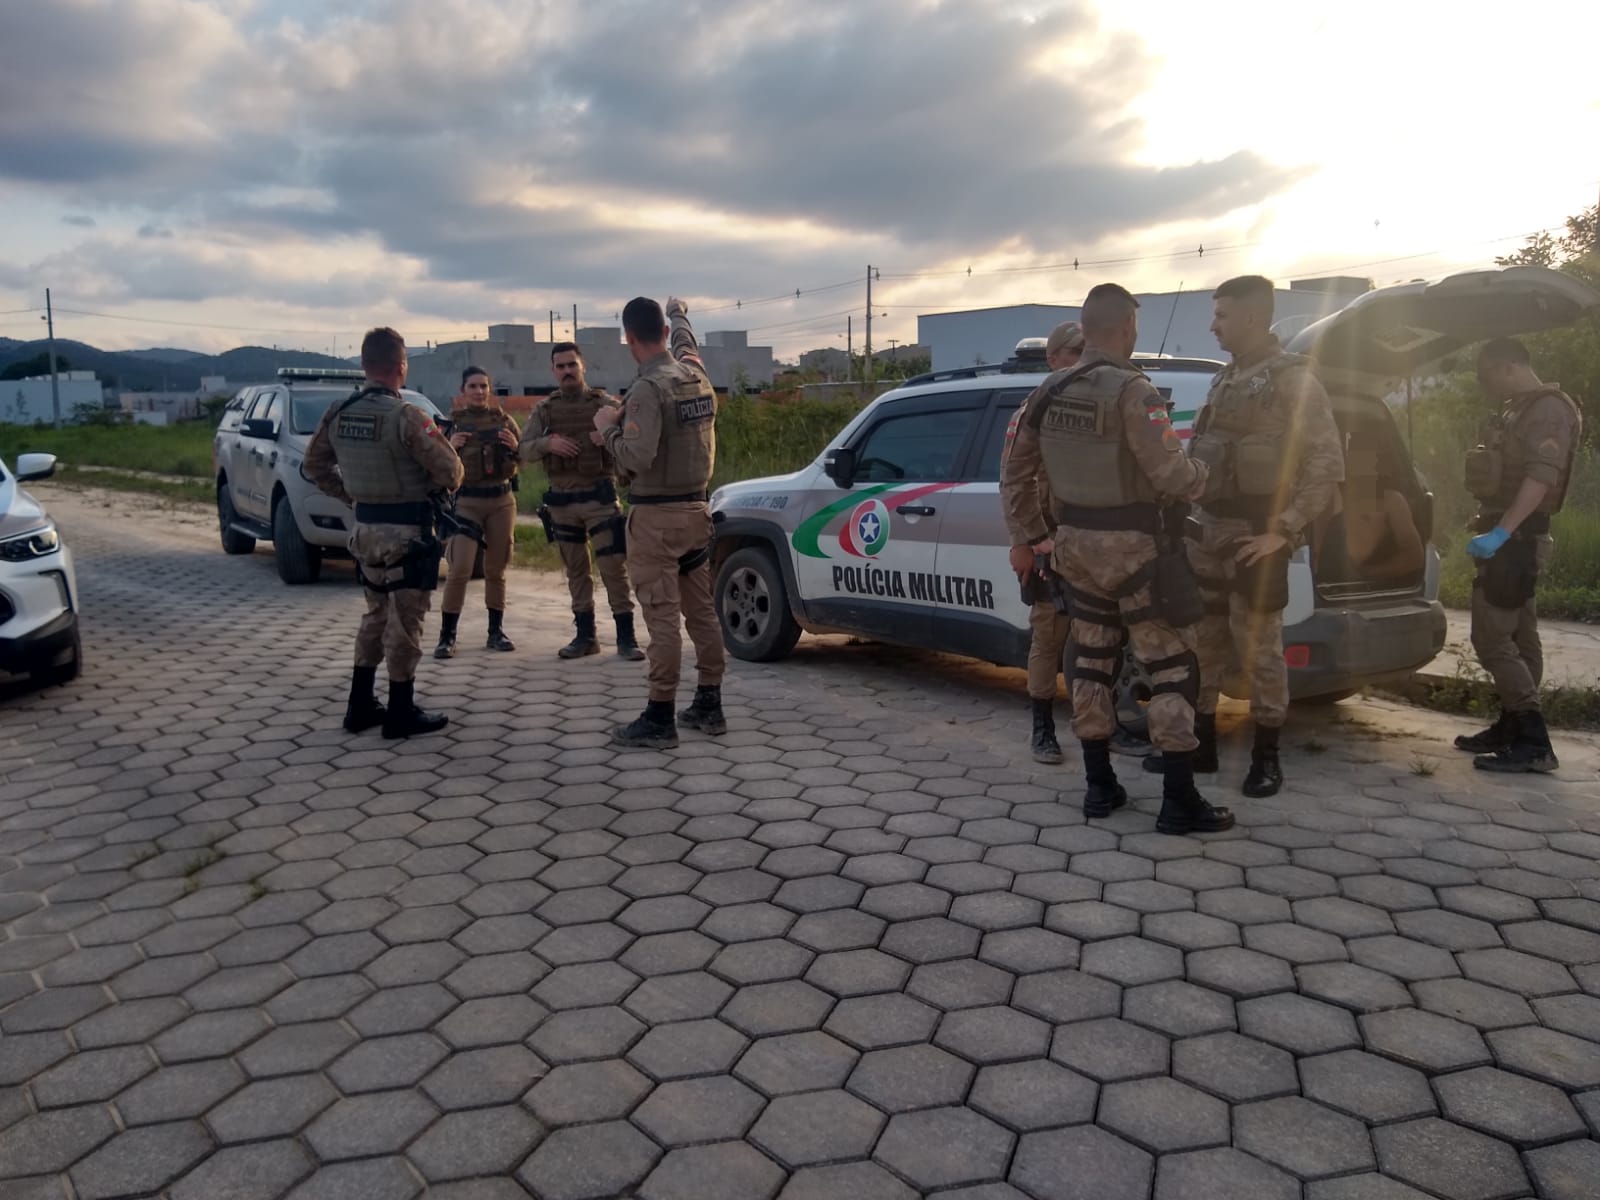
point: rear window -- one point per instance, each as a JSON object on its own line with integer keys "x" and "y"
{"x": 311, "y": 402}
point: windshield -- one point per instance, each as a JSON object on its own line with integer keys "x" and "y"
{"x": 311, "y": 402}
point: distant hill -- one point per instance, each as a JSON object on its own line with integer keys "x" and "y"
{"x": 167, "y": 369}
{"x": 164, "y": 354}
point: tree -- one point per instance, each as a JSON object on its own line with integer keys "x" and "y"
{"x": 1575, "y": 251}
{"x": 1569, "y": 356}
{"x": 39, "y": 364}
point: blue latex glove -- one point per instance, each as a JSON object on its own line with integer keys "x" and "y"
{"x": 1486, "y": 544}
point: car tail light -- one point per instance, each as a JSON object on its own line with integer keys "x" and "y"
{"x": 1297, "y": 657}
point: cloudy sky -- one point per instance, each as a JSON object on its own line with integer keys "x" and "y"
{"x": 207, "y": 173}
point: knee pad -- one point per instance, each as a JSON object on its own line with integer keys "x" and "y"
{"x": 1188, "y": 687}
{"x": 1105, "y": 675}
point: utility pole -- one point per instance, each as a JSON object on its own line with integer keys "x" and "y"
{"x": 849, "y": 344}
{"x": 894, "y": 344}
{"x": 866, "y": 362}
{"x": 574, "y": 322}
{"x": 552, "y": 326}
{"x": 55, "y": 385}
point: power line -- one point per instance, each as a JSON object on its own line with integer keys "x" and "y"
{"x": 801, "y": 324}
{"x": 794, "y": 295}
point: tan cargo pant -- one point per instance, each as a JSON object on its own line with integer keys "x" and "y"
{"x": 391, "y": 628}
{"x": 1048, "y": 631}
{"x": 1506, "y": 641}
{"x": 659, "y": 536}
{"x": 576, "y": 526}
{"x": 1230, "y": 626}
{"x": 1097, "y": 564}
{"x": 498, "y": 516}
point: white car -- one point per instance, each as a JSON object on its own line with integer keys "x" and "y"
{"x": 38, "y": 589}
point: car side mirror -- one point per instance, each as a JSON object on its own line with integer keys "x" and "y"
{"x": 840, "y": 466}
{"x": 258, "y": 427}
{"x": 31, "y": 467}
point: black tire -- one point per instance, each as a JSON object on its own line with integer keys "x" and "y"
{"x": 65, "y": 672}
{"x": 233, "y": 542}
{"x": 753, "y": 606}
{"x": 298, "y": 560}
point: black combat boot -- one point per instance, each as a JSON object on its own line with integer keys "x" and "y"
{"x": 627, "y": 643}
{"x": 1496, "y": 737}
{"x": 653, "y": 729}
{"x": 1104, "y": 795}
{"x": 404, "y": 718}
{"x": 1530, "y": 751}
{"x": 364, "y": 709}
{"x": 705, "y": 712}
{"x": 1204, "y": 759}
{"x": 497, "y": 636}
{"x": 447, "y": 635}
{"x": 1183, "y": 808}
{"x": 1044, "y": 745}
{"x": 1266, "y": 773}
{"x": 584, "y": 642}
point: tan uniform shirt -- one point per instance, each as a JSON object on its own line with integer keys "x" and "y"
{"x": 1149, "y": 436}
{"x": 1548, "y": 425}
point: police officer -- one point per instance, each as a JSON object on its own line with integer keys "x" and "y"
{"x": 485, "y": 436}
{"x": 581, "y": 505}
{"x": 1047, "y": 626}
{"x": 1276, "y": 459}
{"x": 385, "y": 457}
{"x": 1114, "y": 467}
{"x": 1519, "y": 473}
{"x": 664, "y": 439}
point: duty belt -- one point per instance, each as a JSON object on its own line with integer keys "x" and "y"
{"x": 485, "y": 491}
{"x": 635, "y": 499}
{"x": 1132, "y": 518}
{"x": 409, "y": 512}
{"x": 604, "y": 492}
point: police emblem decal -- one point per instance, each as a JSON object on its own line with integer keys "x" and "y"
{"x": 866, "y": 531}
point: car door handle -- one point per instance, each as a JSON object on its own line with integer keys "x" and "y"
{"x": 915, "y": 510}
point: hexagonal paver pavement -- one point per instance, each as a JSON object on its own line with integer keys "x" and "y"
{"x": 847, "y": 949}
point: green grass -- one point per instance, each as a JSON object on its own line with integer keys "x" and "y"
{"x": 182, "y": 449}
{"x": 199, "y": 491}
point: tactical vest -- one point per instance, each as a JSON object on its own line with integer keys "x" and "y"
{"x": 1083, "y": 443}
{"x": 573, "y": 417}
{"x": 484, "y": 458}
{"x": 1497, "y": 466}
{"x": 374, "y": 463}
{"x": 688, "y": 447}
{"x": 1242, "y": 435}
